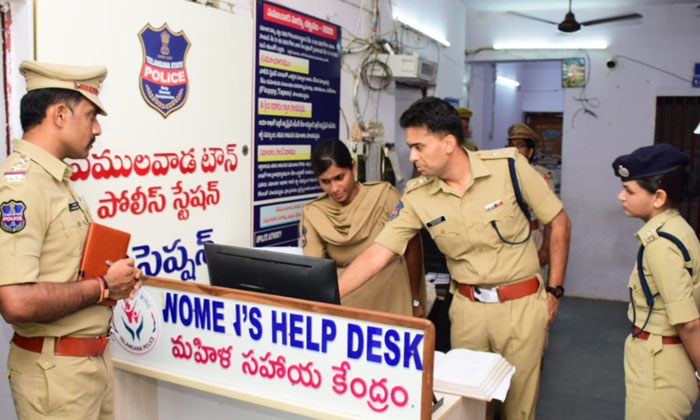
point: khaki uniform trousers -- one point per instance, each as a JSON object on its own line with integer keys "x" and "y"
{"x": 659, "y": 380}
{"x": 45, "y": 386}
{"x": 515, "y": 329}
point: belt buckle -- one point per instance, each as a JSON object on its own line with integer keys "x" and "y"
{"x": 486, "y": 295}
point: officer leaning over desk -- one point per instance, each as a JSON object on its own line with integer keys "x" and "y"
{"x": 466, "y": 200}
{"x": 58, "y": 364}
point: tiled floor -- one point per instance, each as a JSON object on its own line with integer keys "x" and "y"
{"x": 583, "y": 373}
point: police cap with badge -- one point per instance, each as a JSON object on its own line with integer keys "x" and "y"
{"x": 86, "y": 80}
{"x": 649, "y": 161}
{"x": 464, "y": 113}
{"x": 524, "y": 132}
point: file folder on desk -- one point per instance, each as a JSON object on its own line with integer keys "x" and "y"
{"x": 102, "y": 244}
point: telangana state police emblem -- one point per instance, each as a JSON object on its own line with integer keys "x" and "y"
{"x": 12, "y": 216}
{"x": 136, "y": 324}
{"x": 163, "y": 80}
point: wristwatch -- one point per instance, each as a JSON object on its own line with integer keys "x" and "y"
{"x": 557, "y": 291}
{"x": 416, "y": 303}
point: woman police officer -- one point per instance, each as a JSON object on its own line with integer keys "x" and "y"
{"x": 343, "y": 221}
{"x": 662, "y": 354}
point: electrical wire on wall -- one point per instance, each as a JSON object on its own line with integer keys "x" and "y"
{"x": 586, "y": 104}
{"x": 372, "y": 75}
{"x": 654, "y": 67}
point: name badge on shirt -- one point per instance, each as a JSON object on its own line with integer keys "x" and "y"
{"x": 493, "y": 205}
{"x": 74, "y": 206}
{"x": 436, "y": 221}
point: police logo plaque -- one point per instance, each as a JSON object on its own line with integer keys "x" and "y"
{"x": 163, "y": 80}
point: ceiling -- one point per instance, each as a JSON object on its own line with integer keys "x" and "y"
{"x": 534, "y": 5}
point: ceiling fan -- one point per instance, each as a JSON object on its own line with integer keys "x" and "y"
{"x": 570, "y": 24}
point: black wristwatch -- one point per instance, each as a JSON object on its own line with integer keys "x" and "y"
{"x": 557, "y": 291}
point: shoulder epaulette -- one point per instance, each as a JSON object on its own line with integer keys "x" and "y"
{"x": 416, "y": 183}
{"x": 15, "y": 167}
{"x": 504, "y": 153}
{"x": 650, "y": 236}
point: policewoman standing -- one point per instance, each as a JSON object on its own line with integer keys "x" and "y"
{"x": 343, "y": 222}
{"x": 662, "y": 354}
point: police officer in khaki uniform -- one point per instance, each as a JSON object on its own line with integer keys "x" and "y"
{"x": 468, "y": 203}
{"x": 662, "y": 354}
{"x": 466, "y": 114}
{"x": 524, "y": 138}
{"x": 57, "y": 365}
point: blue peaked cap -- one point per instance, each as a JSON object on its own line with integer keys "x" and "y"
{"x": 649, "y": 161}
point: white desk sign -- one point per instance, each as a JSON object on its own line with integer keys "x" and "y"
{"x": 316, "y": 359}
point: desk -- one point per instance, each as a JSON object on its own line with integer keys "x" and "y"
{"x": 186, "y": 349}
{"x": 139, "y": 397}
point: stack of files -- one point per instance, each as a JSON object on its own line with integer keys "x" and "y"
{"x": 473, "y": 374}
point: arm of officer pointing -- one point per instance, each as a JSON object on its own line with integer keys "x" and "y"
{"x": 690, "y": 336}
{"x": 365, "y": 265}
{"x": 558, "y": 256}
{"x": 414, "y": 262}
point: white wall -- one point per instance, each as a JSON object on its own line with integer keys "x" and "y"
{"x": 541, "y": 87}
{"x": 539, "y": 91}
{"x": 602, "y": 247}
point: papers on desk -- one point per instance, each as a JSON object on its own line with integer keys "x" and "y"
{"x": 474, "y": 374}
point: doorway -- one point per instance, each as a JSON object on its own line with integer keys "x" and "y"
{"x": 538, "y": 101}
{"x": 676, "y": 119}
{"x": 548, "y": 125}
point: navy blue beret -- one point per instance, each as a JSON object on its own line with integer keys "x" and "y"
{"x": 649, "y": 161}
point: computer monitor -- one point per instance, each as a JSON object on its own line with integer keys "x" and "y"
{"x": 275, "y": 273}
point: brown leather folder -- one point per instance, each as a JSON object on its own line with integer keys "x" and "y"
{"x": 103, "y": 246}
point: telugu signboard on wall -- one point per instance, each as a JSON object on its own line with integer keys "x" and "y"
{"x": 174, "y": 183}
{"x": 319, "y": 357}
{"x": 297, "y": 103}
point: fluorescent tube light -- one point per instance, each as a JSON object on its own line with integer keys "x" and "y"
{"x": 507, "y": 82}
{"x": 520, "y": 45}
{"x": 416, "y": 26}
{"x": 697, "y": 129}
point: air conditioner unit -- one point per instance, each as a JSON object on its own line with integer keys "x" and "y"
{"x": 405, "y": 68}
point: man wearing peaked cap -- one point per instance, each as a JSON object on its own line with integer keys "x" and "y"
{"x": 466, "y": 114}
{"x": 58, "y": 364}
{"x": 525, "y": 139}
{"x": 85, "y": 80}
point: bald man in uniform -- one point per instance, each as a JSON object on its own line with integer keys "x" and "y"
{"x": 467, "y": 202}
{"x": 58, "y": 363}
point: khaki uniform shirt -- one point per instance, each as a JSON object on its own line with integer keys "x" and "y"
{"x": 331, "y": 230}
{"x": 461, "y": 225}
{"x": 44, "y": 225}
{"x": 538, "y": 232}
{"x": 664, "y": 268}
